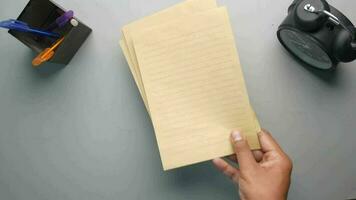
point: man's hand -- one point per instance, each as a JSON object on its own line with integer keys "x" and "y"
{"x": 263, "y": 174}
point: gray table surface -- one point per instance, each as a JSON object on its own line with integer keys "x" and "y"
{"x": 83, "y": 132}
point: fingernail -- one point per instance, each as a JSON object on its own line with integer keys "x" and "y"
{"x": 215, "y": 160}
{"x": 236, "y": 136}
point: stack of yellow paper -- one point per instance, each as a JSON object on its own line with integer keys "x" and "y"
{"x": 186, "y": 66}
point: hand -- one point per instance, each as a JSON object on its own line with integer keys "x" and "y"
{"x": 263, "y": 174}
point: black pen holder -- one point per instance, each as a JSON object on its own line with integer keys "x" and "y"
{"x": 40, "y": 14}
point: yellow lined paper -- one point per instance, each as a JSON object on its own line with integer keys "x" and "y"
{"x": 185, "y": 8}
{"x": 190, "y": 78}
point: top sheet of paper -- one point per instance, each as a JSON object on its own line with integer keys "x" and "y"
{"x": 185, "y": 8}
{"x": 195, "y": 88}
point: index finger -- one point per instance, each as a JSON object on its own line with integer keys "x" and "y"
{"x": 268, "y": 143}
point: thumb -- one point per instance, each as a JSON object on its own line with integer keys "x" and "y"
{"x": 243, "y": 152}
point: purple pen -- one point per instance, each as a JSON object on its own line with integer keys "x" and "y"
{"x": 61, "y": 21}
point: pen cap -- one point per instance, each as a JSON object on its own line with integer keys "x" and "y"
{"x": 62, "y": 20}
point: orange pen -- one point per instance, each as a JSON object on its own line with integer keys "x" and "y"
{"x": 47, "y": 54}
